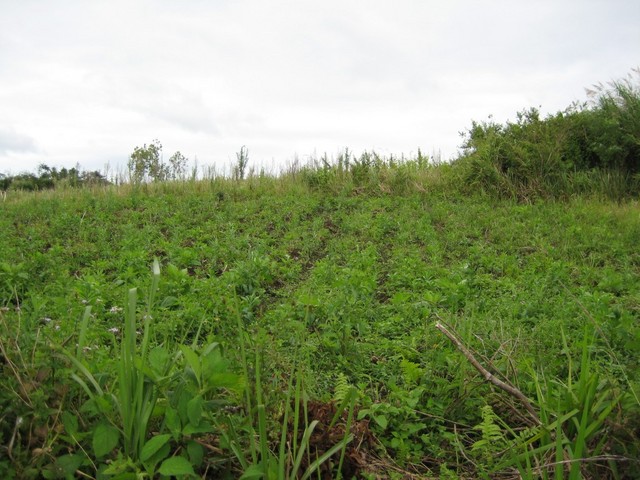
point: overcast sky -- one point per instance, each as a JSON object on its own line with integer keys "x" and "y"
{"x": 87, "y": 81}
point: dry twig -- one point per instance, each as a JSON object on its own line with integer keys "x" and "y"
{"x": 510, "y": 389}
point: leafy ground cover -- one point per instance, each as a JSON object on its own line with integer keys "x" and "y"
{"x": 286, "y": 328}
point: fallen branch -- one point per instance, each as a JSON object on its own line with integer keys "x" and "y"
{"x": 510, "y": 389}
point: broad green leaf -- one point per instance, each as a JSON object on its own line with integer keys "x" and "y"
{"x": 400, "y": 298}
{"x": 213, "y": 362}
{"x": 194, "y": 410}
{"x": 160, "y": 455}
{"x": 70, "y": 423}
{"x": 192, "y": 360}
{"x": 153, "y": 445}
{"x": 381, "y": 420}
{"x": 49, "y": 472}
{"x": 172, "y": 421}
{"x": 69, "y": 463}
{"x": 213, "y": 346}
{"x": 196, "y": 452}
{"x": 309, "y": 300}
{"x": 192, "y": 429}
{"x": 105, "y": 439}
{"x": 158, "y": 359}
{"x": 176, "y": 466}
{"x": 182, "y": 404}
{"x": 225, "y": 380}
{"x": 254, "y": 471}
{"x": 104, "y": 403}
{"x": 125, "y": 476}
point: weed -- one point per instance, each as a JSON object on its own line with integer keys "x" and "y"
{"x": 285, "y": 296}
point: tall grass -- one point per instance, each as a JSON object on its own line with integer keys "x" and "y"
{"x": 294, "y": 438}
{"x": 572, "y": 440}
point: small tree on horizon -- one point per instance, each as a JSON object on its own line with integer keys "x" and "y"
{"x": 145, "y": 163}
{"x": 177, "y": 166}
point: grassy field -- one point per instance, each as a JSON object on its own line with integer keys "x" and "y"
{"x": 286, "y": 328}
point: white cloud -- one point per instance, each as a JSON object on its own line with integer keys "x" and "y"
{"x": 88, "y": 81}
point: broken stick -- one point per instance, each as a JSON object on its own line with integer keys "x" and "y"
{"x": 510, "y": 389}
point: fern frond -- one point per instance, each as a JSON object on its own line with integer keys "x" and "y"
{"x": 342, "y": 388}
{"x": 491, "y": 431}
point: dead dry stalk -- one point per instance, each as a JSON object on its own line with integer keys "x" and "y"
{"x": 510, "y": 389}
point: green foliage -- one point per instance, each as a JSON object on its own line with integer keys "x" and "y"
{"x": 492, "y": 442}
{"x": 137, "y": 396}
{"x": 149, "y": 386}
{"x": 580, "y": 408}
{"x": 373, "y": 174}
{"x": 279, "y": 294}
{"x": 49, "y": 178}
{"x": 616, "y": 112}
{"x": 177, "y": 166}
{"x": 145, "y": 163}
{"x": 13, "y": 280}
{"x": 295, "y": 429}
{"x": 585, "y": 149}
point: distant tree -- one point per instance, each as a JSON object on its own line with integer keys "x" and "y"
{"x": 93, "y": 178}
{"x": 25, "y": 181}
{"x": 50, "y": 177}
{"x": 67, "y": 177}
{"x": 145, "y": 163}
{"x": 5, "y": 181}
{"x": 44, "y": 170}
{"x": 45, "y": 179}
{"x": 177, "y": 166}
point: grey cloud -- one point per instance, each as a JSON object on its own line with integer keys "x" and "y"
{"x": 14, "y": 142}
{"x": 192, "y": 118}
{"x": 158, "y": 101}
{"x": 91, "y": 77}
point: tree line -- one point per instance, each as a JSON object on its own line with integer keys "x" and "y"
{"x": 145, "y": 164}
{"x": 47, "y": 178}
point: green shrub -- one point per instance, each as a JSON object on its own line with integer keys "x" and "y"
{"x": 586, "y": 149}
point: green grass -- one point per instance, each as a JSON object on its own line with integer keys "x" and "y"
{"x": 278, "y": 294}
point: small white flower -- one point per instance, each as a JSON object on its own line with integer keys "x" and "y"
{"x": 46, "y": 320}
{"x": 114, "y": 330}
{"x": 84, "y": 301}
{"x": 115, "y": 310}
{"x": 57, "y": 327}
